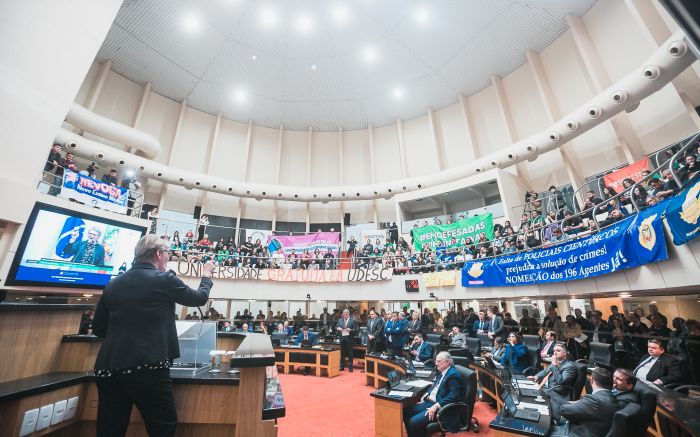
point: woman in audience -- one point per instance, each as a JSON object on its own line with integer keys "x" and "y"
{"x": 639, "y": 194}
{"x": 515, "y": 355}
{"x": 610, "y": 203}
{"x": 572, "y": 331}
{"x": 497, "y": 351}
{"x": 625, "y": 197}
{"x": 621, "y": 344}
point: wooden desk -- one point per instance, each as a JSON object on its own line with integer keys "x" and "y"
{"x": 491, "y": 384}
{"x": 325, "y": 361}
{"x": 388, "y": 411}
{"x": 376, "y": 369}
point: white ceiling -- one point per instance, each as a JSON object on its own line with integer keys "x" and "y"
{"x": 456, "y": 49}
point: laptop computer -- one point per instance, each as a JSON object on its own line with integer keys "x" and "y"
{"x": 394, "y": 382}
{"x": 513, "y": 410}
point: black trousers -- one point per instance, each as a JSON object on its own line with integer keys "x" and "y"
{"x": 346, "y": 350}
{"x": 152, "y": 393}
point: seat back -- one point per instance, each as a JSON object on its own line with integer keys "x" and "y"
{"x": 601, "y": 353}
{"x": 647, "y": 400}
{"x": 474, "y": 346}
{"x": 581, "y": 375}
{"x": 433, "y": 338}
{"x": 462, "y": 352}
{"x": 624, "y": 421}
{"x": 469, "y": 381}
{"x": 484, "y": 338}
{"x": 461, "y": 361}
{"x": 434, "y": 347}
{"x": 531, "y": 341}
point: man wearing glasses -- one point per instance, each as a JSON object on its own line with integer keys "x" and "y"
{"x": 89, "y": 251}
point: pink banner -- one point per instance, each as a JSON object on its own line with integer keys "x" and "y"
{"x": 298, "y": 243}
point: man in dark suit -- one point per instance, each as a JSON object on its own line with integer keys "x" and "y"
{"x": 393, "y": 332}
{"x": 448, "y": 387}
{"x": 470, "y": 320}
{"x": 623, "y": 387}
{"x": 375, "y": 333}
{"x": 136, "y": 318}
{"x": 89, "y": 251}
{"x": 496, "y": 324}
{"x": 482, "y": 325}
{"x": 324, "y": 322}
{"x": 346, "y": 329}
{"x": 599, "y": 332}
{"x": 558, "y": 378}
{"x": 658, "y": 367}
{"x": 420, "y": 350}
{"x": 592, "y": 415}
{"x": 415, "y": 326}
{"x": 305, "y": 335}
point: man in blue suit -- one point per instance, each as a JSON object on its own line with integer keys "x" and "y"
{"x": 448, "y": 387}
{"x": 482, "y": 325}
{"x": 346, "y": 330}
{"x": 306, "y": 335}
{"x": 420, "y": 350}
{"x": 394, "y": 334}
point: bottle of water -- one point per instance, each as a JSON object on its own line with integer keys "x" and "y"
{"x": 481, "y": 393}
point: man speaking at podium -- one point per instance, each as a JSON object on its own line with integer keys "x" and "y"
{"x": 136, "y": 317}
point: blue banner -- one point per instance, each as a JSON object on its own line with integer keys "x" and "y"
{"x": 94, "y": 192}
{"x": 632, "y": 242}
{"x": 683, "y": 213}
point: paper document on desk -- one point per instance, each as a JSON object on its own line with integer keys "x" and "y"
{"x": 526, "y": 383}
{"x": 418, "y": 364}
{"x": 403, "y": 394}
{"x": 542, "y": 409}
{"x": 420, "y": 383}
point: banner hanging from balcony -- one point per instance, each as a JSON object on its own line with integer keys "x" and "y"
{"x": 632, "y": 171}
{"x": 683, "y": 214}
{"x": 194, "y": 269}
{"x": 299, "y": 243}
{"x": 632, "y": 242}
{"x": 469, "y": 227}
{"x": 94, "y": 192}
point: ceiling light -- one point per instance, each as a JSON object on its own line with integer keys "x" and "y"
{"x": 421, "y": 15}
{"x": 339, "y": 13}
{"x": 87, "y": 295}
{"x": 304, "y": 23}
{"x": 254, "y": 57}
{"x": 191, "y": 22}
{"x": 268, "y": 17}
{"x": 397, "y": 92}
{"x": 240, "y": 95}
{"x": 129, "y": 173}
{"x": 625, "y": 295}
{"x": 314, "y": 66}
{"x": 369, "y": 54}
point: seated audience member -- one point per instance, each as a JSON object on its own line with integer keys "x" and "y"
{"x": 658, "y": 367}
{"x": 305, "y": 335}
{"x": 111, "y": 177}
{"x": 558, "y": 378}
{"x": 509, "y": 325}
{"x": 590, "y": 202}
{"x": 658, "y": 327}
{"x": 572, "y": 225}
{"x": 592, "y": 415}
{"x": 456, "y": 338}
{"x": 623, "y": 387}
{"x": 547, "y": 349}
{"x": 421, "y": 350}
{"x": 600, "y": 333}
{"x": 515, "y": 356}
{"x": 447, "y": 388}
{"x": 244, "y": 328}
{"x": 690, "y": 169}
{"x": 528, "y": 325}
{"x": 614, "y": 216}
{"x": 497, "y": 351}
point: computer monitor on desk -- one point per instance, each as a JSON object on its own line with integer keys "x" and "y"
{"x": 280, "y": 338}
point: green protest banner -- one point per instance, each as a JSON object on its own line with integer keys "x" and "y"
{"x": 468, "y": 227}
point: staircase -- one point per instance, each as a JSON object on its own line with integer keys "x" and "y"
{"x": 345, "y": 263}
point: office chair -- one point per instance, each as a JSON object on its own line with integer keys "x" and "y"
{"x": 624, "y": 420}
{"x": 474, "y": 346}
{"x": 433, "y": 338}
{"x": 685, "y": 389}
{"x": 462, "y": 352}
{"x": 466, "y": 407}
{"x": 532, "y": 341}
{"x": 461, "y": 361}
{"x": 601, "y": 355}
{"x": 647, "y": 400}
{"x": 581, "y": 377}
{"x": 484, "y": 338}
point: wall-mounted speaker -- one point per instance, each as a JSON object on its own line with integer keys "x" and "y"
{"x": 346, "y": 219}
{"x": 197, "y": 212}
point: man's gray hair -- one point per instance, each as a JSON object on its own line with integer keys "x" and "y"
{"x": 444, "y": 355}
{"x": 147, "y": 247}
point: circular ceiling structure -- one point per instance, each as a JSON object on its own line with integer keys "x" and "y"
{"x": 327, "y": 64}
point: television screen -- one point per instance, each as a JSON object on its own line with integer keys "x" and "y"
{"x": 66, "y": 248}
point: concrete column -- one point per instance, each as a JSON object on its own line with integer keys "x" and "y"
{"x": 96, "y": 89}
{"x": 47, "y": 49}
{"x": 143, "y": 100}
{"x": 472, "y": 149}
{"x": 278, "y": 168}
{"x": 504, "y": 109}
{"x": 435, "y": 137}
{"x": 308, "y": 176}
{"x": 690, "y": 108}
{"x": 341, "y": 177}
{"x": 246, "y": 159}
{"x": 209, "y": 160}
{"x": 402, "y": 147}
{"x": 173, "y": 147}
{"x": 370, "y": 132}
{"x": 599, "y": 79}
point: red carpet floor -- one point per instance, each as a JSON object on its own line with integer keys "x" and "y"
{"x": 341, "y": 407}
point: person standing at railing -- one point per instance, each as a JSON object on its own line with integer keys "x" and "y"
{"x": 557, "y": 198}
{"x": 153, "y": 218}
{"x": 52, "y": 163}
{"x": 202, "y": 226}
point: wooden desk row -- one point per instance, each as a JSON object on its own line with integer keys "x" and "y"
{"x": 325, "y": 361}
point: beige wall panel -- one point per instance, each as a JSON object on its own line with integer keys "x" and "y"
{"x": 263, "y": 155}
{"x": 386, "y": 153}
{"x": 119, "y": 98}
{"x": 295, "y": 159}
{"x": 452, "y": 132}
{"x": 88, "y": 82}
{"x": 421, "y": 158}
{"x": 324, "y": 159}
{"x": 491, "y": 132}
{"x": 230, "y": 149}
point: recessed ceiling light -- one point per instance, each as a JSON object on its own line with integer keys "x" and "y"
{"x": 339, "y": 13}
{"x": 304, "y": 23}
{"x": 314, "y": 66}
{"x": 369, "y": 54}
{"x": 254, "y": 57}
{"x": 240, "y": 95}
{"x": 268, "y": 17}
{"x": 421, "y": 15}
{"x": 397, "y": 92}
{"x": 191, "y": 22}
